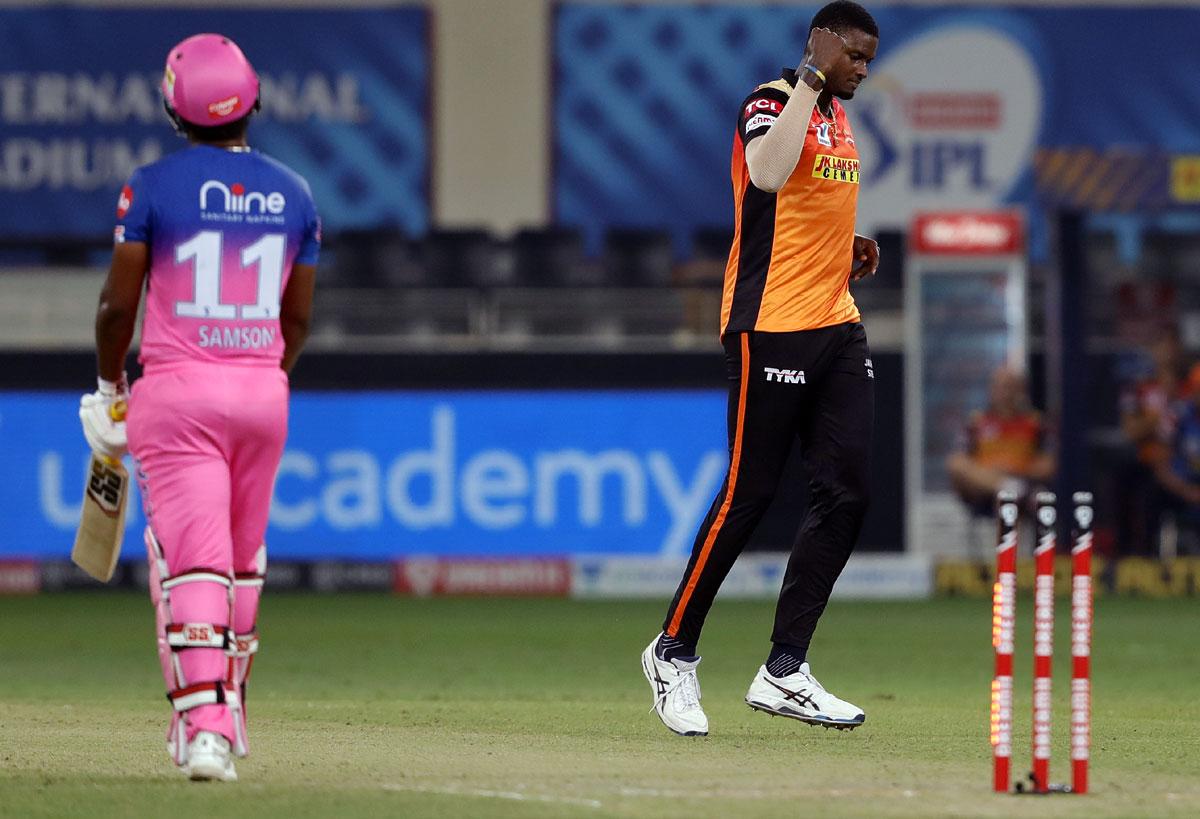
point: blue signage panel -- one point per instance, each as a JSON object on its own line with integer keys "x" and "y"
{"x": 379, "y": 475}
{"x": 957, "y": 104}
{"x": 345, "y": 95}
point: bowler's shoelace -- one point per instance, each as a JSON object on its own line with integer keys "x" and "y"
{"x": 689, "y": 691}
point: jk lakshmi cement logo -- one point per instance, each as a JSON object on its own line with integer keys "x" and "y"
{"x": 949, "y": 120}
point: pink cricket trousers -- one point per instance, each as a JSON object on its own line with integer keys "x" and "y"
{"x": 207, "y": 439}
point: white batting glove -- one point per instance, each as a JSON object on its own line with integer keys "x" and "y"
{"x": 102, "y": 414}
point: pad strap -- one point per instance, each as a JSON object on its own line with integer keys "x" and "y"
{"x": 198, "y": 635}
{"x": 243, "y": 645}
{"x": 208, "y": 693}
{"x": 251, "y": 579}
{"x": 197, "y": 576}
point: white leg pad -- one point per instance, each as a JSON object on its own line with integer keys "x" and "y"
{"x": 243, "y": 647}
{"x": 177, "y": 637}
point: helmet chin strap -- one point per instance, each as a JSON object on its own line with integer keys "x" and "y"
{"x": 176, "y": 120}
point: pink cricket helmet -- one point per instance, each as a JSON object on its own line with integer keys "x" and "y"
{"x": 208, "y": 81}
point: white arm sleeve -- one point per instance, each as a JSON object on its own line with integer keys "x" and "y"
{"x": 772, "y": 157}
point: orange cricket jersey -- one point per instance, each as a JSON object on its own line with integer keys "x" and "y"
{"x": 1010, "y": 444}
{"x": 789, "y": 266}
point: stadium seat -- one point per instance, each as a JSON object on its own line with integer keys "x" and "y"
{"x": 702, "y": 276}
{"x": 1104, "y": 263}
{"x": 1105, "y": 270}
{"x": 712, "y": 243}
{"x": 553, "y": 257}
{"x": 1187, "y": 261}
{"x": 468, "y": 257}
{"x": 54, "y": 251}
{"x": 377, "y": 258}
{"x": 397, "y": 262}
{"x": 710, "y": 253}
{"x": 636, "y": 257}
{"x": 1159, "y": 257}
{"x": 345, "y": 260}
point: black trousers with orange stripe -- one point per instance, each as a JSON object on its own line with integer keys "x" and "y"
{"x": 813, "y": 389}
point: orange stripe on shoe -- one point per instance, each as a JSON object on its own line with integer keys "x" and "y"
{"x": 735, "y": 462}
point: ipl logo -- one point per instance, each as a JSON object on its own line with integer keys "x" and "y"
{"x": 933, "y": 140}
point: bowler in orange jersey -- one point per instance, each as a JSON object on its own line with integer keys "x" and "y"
{"x": 799, "y": 369}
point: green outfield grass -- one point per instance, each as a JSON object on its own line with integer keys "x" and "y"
{"x": 371, "y": 705}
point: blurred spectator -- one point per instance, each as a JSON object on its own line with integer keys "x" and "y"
{"x": 1148, "y": 409}
{"x": 1179, "y": 473}
{"x": 1005, "y": 447}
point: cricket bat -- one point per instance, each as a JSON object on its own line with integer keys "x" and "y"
{"x": 102, "y": 521}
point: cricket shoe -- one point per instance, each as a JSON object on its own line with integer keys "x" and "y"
{"x": 210, "y": 757}
{"x": 801, "y": 697}
{"x": 676, "y": 692}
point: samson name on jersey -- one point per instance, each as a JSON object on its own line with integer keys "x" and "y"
{"x": 224, "y": 229}
{"x": 789, "y": 266}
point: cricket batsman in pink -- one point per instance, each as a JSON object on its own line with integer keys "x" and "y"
{"x": 224, "y": 242}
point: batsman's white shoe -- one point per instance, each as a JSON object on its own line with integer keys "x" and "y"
{"x": 210, "y": 757}
{"x": 676, "y": 693}
{"x": 801, "y": 697}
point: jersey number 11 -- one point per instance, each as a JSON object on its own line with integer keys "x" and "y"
{"x": 204, "y": 252}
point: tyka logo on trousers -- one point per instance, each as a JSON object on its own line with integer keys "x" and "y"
{"x": 784, "y": 376}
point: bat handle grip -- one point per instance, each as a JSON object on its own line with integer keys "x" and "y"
{"x": 117, "y": 413}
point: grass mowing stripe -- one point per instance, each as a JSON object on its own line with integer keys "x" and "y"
{"x": 364, "y": 704}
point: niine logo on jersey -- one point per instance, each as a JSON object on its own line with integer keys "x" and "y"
{"x": 784, "y": 376}
{"x": 234, "y": 199}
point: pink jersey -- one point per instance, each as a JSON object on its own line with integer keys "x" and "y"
{"x": 224, "y": 229}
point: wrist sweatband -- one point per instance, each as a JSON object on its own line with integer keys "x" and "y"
{"x": 111, "y": 388}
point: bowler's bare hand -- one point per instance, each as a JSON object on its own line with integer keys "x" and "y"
{"x": 824, "y": 49}
{"x": 866, "y": 258}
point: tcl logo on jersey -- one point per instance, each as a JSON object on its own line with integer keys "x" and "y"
{"x": 784, "y": 376}
{"x": 124, "y": 201}
{"x": 234, "y": 199}
{"x": 763, "y": 104}
{"x": 837, "y": 168}
{"x": 223, "y": 108}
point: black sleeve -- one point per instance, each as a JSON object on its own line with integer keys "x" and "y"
{"x": 759, "y": 112}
